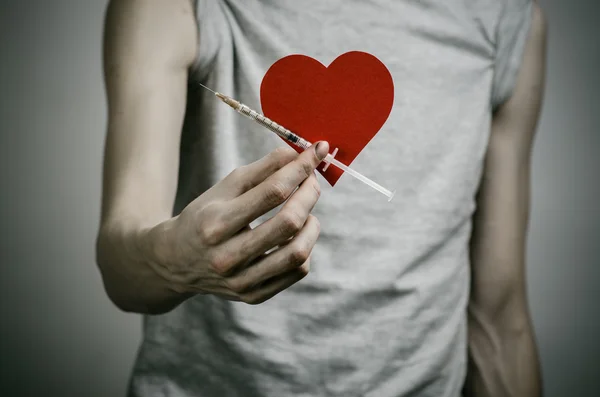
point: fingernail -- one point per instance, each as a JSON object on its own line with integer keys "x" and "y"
{"x": 322, "y": 150}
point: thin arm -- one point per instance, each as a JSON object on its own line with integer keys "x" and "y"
{"x": 148, "y": 48}
{"x": 503, "y": 358}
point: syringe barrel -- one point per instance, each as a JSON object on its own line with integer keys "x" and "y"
{"x": 273, "y": 126}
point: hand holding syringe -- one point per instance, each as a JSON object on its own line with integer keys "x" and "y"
{"x": 296, "y": 140}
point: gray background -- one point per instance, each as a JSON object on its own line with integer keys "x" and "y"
{"x": 60, "y": 335}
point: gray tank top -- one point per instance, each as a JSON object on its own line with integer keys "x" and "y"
{"x": 383, "y": 311}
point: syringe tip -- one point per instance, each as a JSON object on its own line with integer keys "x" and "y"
{"x": 230, "y": 101}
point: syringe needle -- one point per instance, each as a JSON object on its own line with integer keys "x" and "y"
{"x": 202, "y": 85}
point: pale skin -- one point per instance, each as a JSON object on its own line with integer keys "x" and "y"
{"x": 503, "y": 358}
{"x": 151, "y": 262}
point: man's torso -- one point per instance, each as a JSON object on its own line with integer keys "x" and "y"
{"x": 382, "y": 312}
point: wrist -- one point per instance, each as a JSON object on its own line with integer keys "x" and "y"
{"x": 155, "y": 245}
{"x": 131, "y": 259}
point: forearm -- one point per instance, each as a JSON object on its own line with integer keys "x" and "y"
{"x": 128, "y": 257}
{"x": 502, "y": 353}
{"x": 503, "y": 359}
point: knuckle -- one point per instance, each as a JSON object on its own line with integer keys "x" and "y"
{"x": 276, "y": 193}
{"x": 290, "y": 222}
{"x": 252, "y": 299}
{"x": 298, "y": 256}
{"x": 221, "y": 264}
{"x": 304, "y": 269}
{"x": 317, "y": 223}
{"x": 211, "y": 234}
{"x": 211, "y": 227}
{"x": 317, "y": 187}
{"x": 237, "y": 286}
{"x": 241, "y": 283}
{"x": 179, "y": 288}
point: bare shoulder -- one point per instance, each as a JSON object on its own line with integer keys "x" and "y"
{"x": 519, "y": 115}
{"x": 160, "y": 30}
{"x": 539, "y": 23}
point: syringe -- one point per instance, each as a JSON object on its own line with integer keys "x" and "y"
{"x": 297, "y": 140}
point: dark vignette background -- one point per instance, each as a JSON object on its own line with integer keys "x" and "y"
{"x": 59, "y": 334}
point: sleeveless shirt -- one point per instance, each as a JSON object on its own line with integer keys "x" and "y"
{"x": 383, "y": 311}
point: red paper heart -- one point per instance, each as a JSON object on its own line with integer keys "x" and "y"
{"x": 345, "y": 104}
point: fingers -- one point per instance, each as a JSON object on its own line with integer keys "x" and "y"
{"x": 244, "y": 178}
{"x": 251, "y": 243}
{"x": 287, "y": 259}
{"x": 219, "y": 241}
{"x": 277, "y": 188}
{"x": 276, "y": 285}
